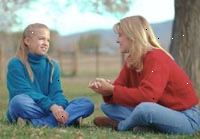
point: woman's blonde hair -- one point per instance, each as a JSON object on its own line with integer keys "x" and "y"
{"x": 22, "y": 52}
{"x": 142, "y": 38}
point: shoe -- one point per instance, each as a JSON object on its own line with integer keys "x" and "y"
{"x": 102, "y": 121}
{"x": 60, "y": 125}
{"x": 21, "y": 122}
{"x": 78, "y": 122}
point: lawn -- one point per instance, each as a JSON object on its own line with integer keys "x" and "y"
{"x": 75, "y": 87}
{"x": 72, "y": 88}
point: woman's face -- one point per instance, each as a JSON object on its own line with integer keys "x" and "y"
{"x": 39, "y": 42}
{"x": 124, "y": 42}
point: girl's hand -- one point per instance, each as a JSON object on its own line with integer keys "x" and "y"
{"x": 59, "y": 113}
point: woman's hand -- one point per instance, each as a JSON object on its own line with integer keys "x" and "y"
{"x": 102, "y": 86}
{"x": 59, "y": 113}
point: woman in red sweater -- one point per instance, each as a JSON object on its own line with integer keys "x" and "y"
{"x": 151, "y": 90}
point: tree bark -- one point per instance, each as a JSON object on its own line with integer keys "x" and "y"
{"x": 185, "y": 45}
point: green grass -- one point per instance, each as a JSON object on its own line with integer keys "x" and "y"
{"x": 72, "y": 87}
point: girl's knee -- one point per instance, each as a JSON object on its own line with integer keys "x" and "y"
{"x": 18, "y": 102}
{"x": 87, "y": 103}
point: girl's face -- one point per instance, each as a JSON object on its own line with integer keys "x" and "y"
{"x": 124, "y": 42}
{"x": 39, "y": 42}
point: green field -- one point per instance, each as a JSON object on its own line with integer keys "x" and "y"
{"x": 73, "y": 87}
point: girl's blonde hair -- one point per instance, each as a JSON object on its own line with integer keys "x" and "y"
{"x": 22, "y": 52}
{"x": 142, "y": 38}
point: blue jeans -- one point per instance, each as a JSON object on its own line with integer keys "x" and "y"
{"x": 155, "y": 116}
{"x": 23, "y": 106}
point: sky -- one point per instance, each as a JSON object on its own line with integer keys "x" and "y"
{"x": 71, "y": 20}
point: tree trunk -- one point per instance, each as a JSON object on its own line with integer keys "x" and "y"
{"x": 185, "y": 45}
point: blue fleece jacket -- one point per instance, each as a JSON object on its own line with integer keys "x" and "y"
{"x": 45, "y": 89}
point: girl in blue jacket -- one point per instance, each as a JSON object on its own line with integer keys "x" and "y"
{"x": 33, "y": 82}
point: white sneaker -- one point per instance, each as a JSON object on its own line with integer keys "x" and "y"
{"x": 21, "y": 122}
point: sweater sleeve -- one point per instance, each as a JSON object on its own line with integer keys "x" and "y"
{"x": 122, "y": 77}
{"x": 18, "y": 82}
{"x": 56, "y": 92}
{"x": 151, "y": 87}
{"x": 120, "y": 80}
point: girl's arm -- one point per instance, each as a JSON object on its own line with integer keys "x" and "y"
{"x": 56, "y": 92}
{"x": 18, "y": 82}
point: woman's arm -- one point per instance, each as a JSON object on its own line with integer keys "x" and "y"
{"x": 155, "y": 77}
{"x": 121, "y": 80}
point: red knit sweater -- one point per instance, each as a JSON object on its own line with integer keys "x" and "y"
{"x": 161, "y": 81}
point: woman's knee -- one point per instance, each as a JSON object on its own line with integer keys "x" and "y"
{"x": 145, "y": 110}
{"x": 106, "y": 108}
{"x": 145, "y": 106}
{"x": 149, "y": 112}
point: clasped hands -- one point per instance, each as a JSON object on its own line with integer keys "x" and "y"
{"x": 102, "y": 86}
{"x": 59, "y": 113}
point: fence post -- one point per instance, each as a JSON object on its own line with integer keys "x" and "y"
{"x": 75, "y": 60}
{"x": 97, "y": 53}
{"x": 1, "y": 62}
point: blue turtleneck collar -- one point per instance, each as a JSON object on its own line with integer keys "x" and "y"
{"x": 35, "y": 58}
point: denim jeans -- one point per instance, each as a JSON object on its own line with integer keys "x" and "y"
{"x": 156, "y": 116}
{"x": 23, "y": 106}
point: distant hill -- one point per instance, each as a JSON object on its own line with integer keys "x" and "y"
{"x": 163, "y": 31}
{"x": 108, "y": 38}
